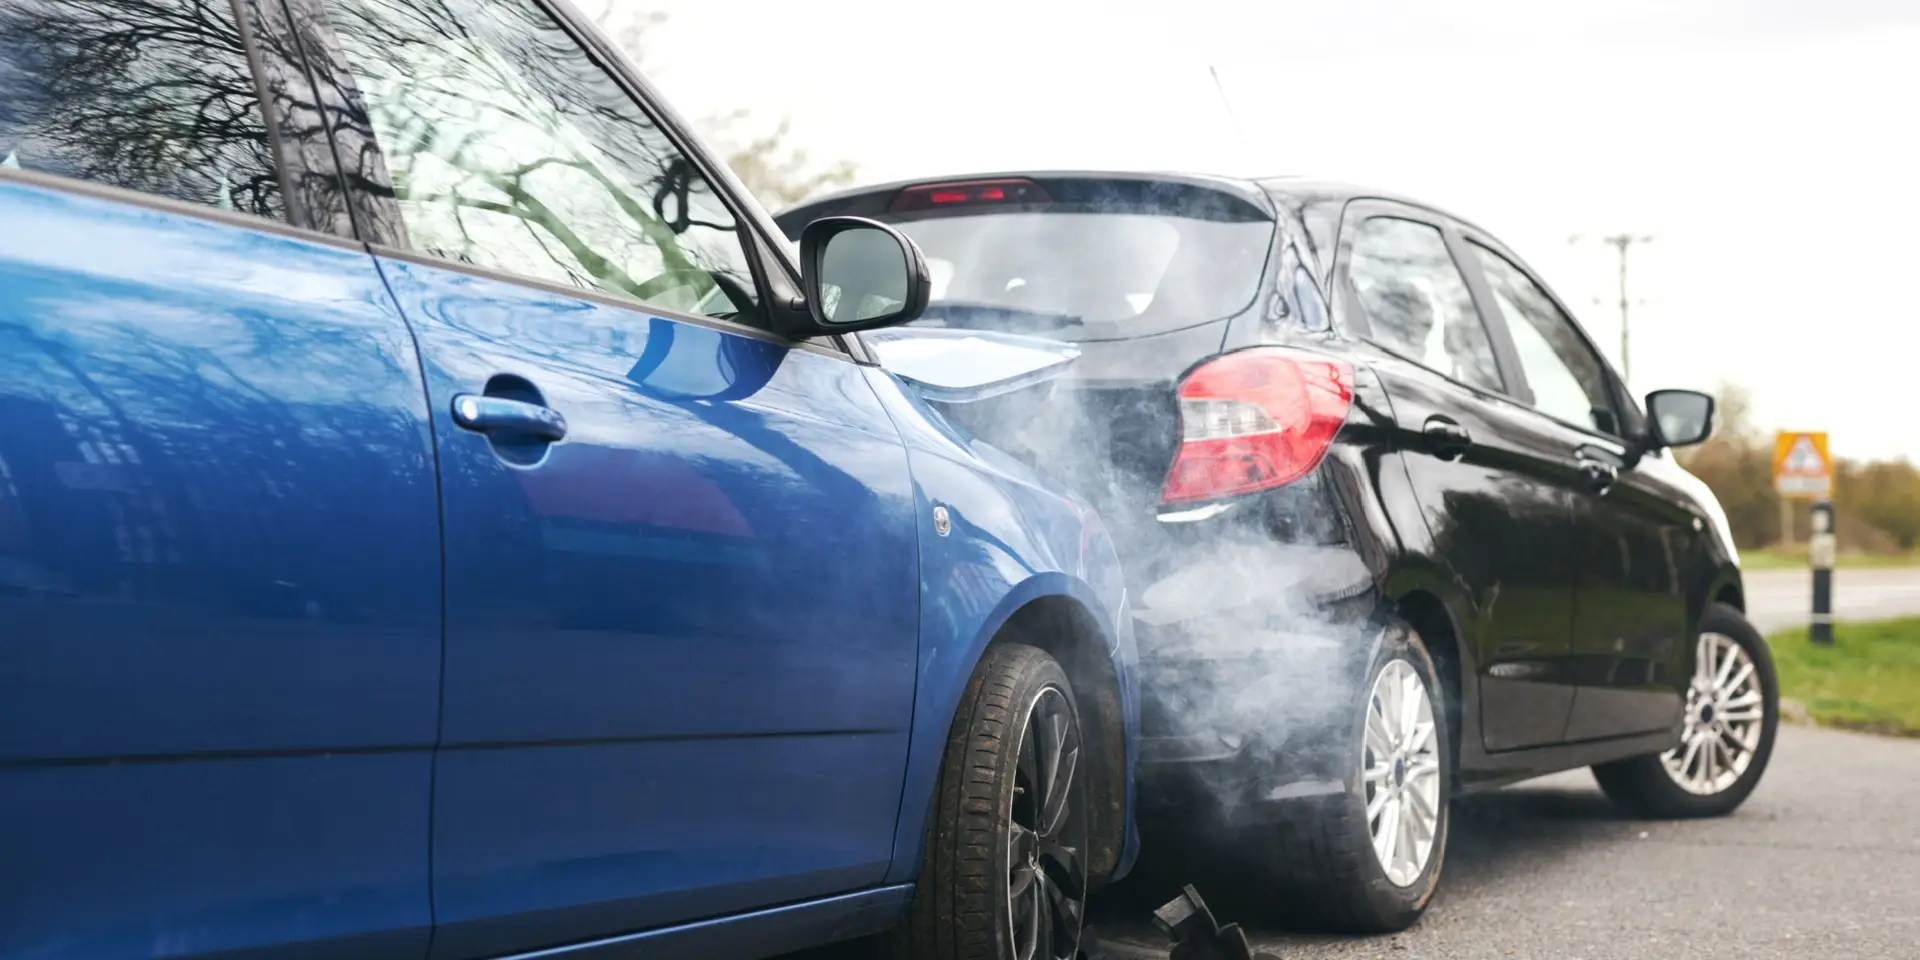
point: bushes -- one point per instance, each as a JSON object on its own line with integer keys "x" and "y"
{"x": 1877, "y": 502}
{"x": 1885, "y": 495}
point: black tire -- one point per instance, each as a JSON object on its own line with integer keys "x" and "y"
{"x": 1313, "y": 864}
{"x": 961, "y": 906}
{"x": 1644, "y": 787}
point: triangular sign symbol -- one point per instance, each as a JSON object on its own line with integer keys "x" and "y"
{"x": 1803, "y": 458}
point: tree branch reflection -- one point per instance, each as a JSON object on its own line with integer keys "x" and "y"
{"x": 151, "y": 95}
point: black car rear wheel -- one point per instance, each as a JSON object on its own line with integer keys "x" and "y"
{"x": 1368, "y": 858}
{"x": 1004, "y": 876}
{"x": 1732, "y": 714}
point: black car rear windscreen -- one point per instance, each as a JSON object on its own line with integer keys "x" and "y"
{"x": 1085, "y": 260}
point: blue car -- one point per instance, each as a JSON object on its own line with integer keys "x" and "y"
{"x": 439, "y": 520}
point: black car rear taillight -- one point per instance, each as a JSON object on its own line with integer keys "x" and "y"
{"x": 1256, "y": 419}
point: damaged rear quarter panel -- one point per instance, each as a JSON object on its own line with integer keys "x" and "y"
{"x": 1014, "y": 538}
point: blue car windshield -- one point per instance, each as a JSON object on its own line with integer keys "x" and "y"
{"x": 1088, "y": 275}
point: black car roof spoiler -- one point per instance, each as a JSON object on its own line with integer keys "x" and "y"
{"x": 1211, "y": 198}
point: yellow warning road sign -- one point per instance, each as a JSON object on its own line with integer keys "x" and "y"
{"x": 1802, "y": 468}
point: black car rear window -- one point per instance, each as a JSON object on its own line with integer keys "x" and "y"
{"x": 1097, "y": 260}
{"x": 1090, "y": 276}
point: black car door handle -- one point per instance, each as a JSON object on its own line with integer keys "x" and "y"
{"x": 502, "y": 415}
{"x": 1446, "y": 436}
{"x": 1599, "y": 474}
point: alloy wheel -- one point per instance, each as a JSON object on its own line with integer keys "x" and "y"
{"x": 1046, "y": 835}
{"x": 1400, "y": 767}
{"x": 1726, "y": 710}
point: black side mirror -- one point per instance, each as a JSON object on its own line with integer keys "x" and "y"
{"x": 859, "y": 274}
{"x": 1679, "y": 418}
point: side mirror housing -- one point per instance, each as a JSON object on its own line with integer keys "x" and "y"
{"x": 859, "y": 274}
{"x": 1678, "y": 418}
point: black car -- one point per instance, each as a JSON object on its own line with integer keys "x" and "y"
{"x": 1395, "y": 530}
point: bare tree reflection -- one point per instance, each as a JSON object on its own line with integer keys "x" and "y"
{"x": 508, "y": 146}
{"x": 210, "y": 443}
{"x": 152, "y": 95}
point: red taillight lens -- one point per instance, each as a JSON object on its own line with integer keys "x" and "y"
{"x": 936, "y": 196}
{"x": 1256, "y": 419}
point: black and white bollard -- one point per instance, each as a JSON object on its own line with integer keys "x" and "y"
{"x": 1820, "y": 553}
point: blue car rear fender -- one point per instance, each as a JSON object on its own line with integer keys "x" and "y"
{"x": 1020, "y": 561}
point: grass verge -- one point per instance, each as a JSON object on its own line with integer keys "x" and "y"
{"x": 1868, "y": 680}
{"x": 1792, "y": 559}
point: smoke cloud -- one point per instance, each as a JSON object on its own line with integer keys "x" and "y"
{"x": 1252, "y": 623}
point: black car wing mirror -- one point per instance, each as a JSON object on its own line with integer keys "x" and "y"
{"x": 1679, "y": 418}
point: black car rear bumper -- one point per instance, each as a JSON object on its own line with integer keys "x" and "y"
{"x": 1253, "y": 705}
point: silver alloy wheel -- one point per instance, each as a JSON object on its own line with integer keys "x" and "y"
{"x": 1046, "y": 836}
{"x": 1401, "y": 770}
{"x": 1726, "y": 710}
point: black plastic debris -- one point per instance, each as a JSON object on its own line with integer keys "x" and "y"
{"x": 1196, "y": 935}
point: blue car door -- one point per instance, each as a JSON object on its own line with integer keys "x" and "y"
{"x": 681, "y": 560}
{"x": 219, "y": 539}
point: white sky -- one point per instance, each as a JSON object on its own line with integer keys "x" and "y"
{"x": 1772, "y": 147}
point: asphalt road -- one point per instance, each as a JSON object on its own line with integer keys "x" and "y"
{"x": 1783, "y": 598}
{"x": 1822, "y": 861}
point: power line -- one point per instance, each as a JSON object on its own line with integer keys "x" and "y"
{"x": 1239, "y": 132}
{"x": 1622, "y": 242}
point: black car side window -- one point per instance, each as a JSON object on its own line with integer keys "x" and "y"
{"x": 1417, "y": 301}
{"x": 511, "y": 149}
{"x": 1568, "y": 380}
{"x": 149, "y": 95}
{"x": 1313, "y": 310}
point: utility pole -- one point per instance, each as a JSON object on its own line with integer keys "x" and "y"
{"x": 1622, "y": 242}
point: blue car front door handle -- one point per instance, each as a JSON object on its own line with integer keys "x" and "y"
{"x": 502, "y": 415}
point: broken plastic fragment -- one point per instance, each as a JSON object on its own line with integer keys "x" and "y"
{"x": 1196, "y": 935}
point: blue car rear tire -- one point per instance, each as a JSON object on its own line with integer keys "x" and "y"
{"x": 1004, "y": 876}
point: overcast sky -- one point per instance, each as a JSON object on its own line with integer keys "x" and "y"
{"x": 1771, "y": 147}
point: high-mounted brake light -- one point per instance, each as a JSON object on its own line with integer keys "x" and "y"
{"x": 1256, "y": 419}
{"x": 935, "y": 196}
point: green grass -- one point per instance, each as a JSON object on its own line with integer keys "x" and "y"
{"x": 1775, "y": 558}
{"x": 1868, "y": 680}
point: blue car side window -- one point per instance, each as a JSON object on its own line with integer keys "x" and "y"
{"x": 150, "y": 95}
{"x": 509, "y": 148}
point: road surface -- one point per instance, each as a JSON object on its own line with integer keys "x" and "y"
{"x": 1822, "y": 861}
{"x": 1783, "y": 598}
